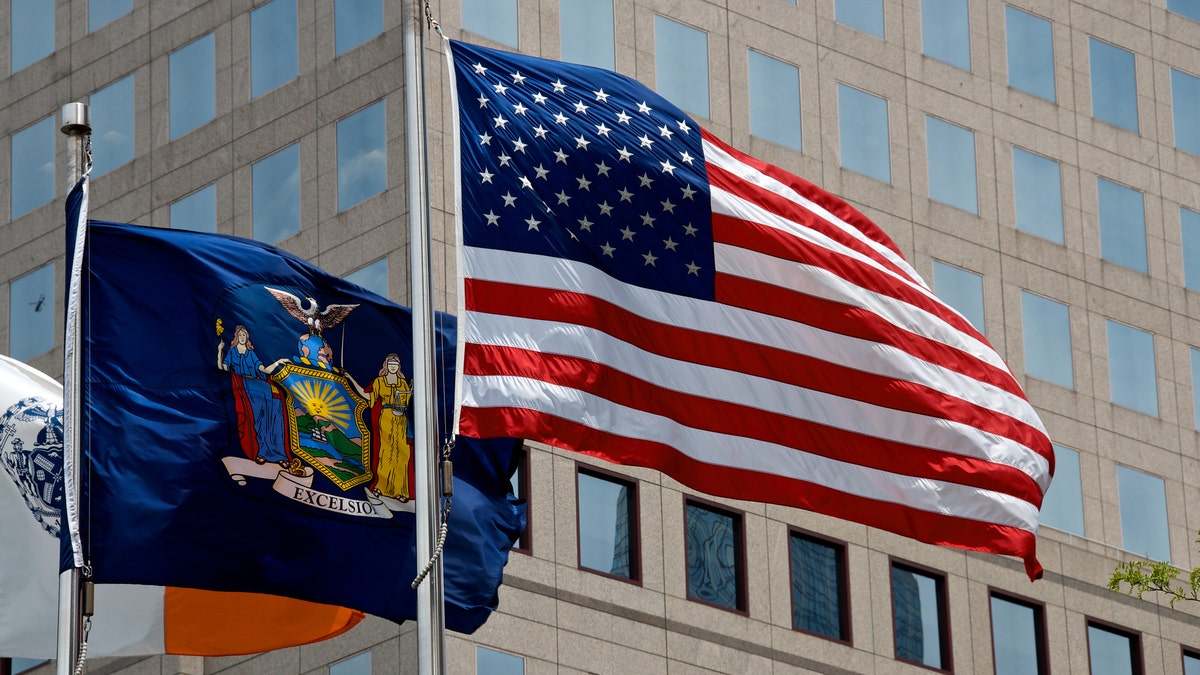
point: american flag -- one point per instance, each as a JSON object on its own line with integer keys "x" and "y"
{"x": 637, "y": 290}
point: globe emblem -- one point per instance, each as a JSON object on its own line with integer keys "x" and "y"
{"x": 31, "y": 450}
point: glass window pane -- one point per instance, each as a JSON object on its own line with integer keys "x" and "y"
{"x": 492, "y": 662}
{"x": 1122, "y": 224}
{"x": 355, "y": 22}
{"x": 1185, "y": 101}
{"x": 20, "y": 665}
{"x": 946, "y": 31}
{"x": 32, "y": 24}
{"x": 494, "y": 19}
{"x": 951, "y": 151}
{"x": 865, "y": 15}
{"x": 32, "y": 166}
{"x": 1047, "y": 331}
{"x": 587, "y": 32}
{"x": 863, "y": 131}
{"x": 1189, "y": 222}
{"x": 359, "y": 664}
{"x": 1132, "y": 379}
{"x": 916, "y": 608}
{"x": 713, "y": 556}
{"x": 517, "y": 483}
{"x": 104, "y": 12}
{"x": 1110, "y": 653}
{"x": 1191, "y": 664}
{"x": 1188, "y": 8}
{"x": 273, "y": 46}
{"x": 1143, "y": 514}
{"x": 1037, "y": 195}
{"x": 604, "y": 526}
{"x": 361, "y": 155}
{"x": 960, "y": 289}
{"x": 1196, "y": 387}
{"x": 373, "y": 277}
{"x": 197, "y": 211}
{"x": 1062, "y": 507}
{"x": 31, "y": 314}
{"x": 818, "y": 586}
{"x": 1114, "y": 85}
{"x": 774, "y": 100}
{"x": 1030, "y": 46}
{"x": 1016, "y": 629}
{"x": 681, "y": 65}
{"x": 275, "y": 183}
{"x": 193, "y": 85}
{"x": 112, "y": 126}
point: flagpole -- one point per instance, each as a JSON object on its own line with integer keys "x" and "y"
{"x": 76, "y": 124}
{"x": 431, "y": 624}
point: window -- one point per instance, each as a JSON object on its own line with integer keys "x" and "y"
{"x": 774, "y": 100}
{"x": 1143, "y": 514}
{"x": 820, "y": 596}
{"x": 946, "y": 31}
{"x": 715, "y": 556}
{"x": 681, "y": 65}
{"x": 1189, "y": 224}
{"x": 273, "y": 48}
{"x": 1114, "y": 85}
{"x": 32, "y": 177}
{"x": 32, "y": 32}
{"x": 1046, "y": 328}
{"x": 1113, "y": 651}
{"x": 359, "y": 664}
{"x": 197, "y": 211}
{"x": 112, "y": 126}
{"x": 494, "y": 19}
{"x": 20, "y": 665}
{"x": 586, "y": 32}
{"x": 1062, "y": 507}
{"x": 355, "y": 22}
{"x": 1185, "y": 101}
{"x": 1037, "y": 195}
{"x": 608, "y": 532}
{"x": 1188, "y": 8}
{"x": 865, "y": 15}
{"x": 1196, "y": 387}
{"x": 492, "y": 662}
{"x": 1030, "y": 46}
{"x": 519, "y": 482}
{"x": 275, "y": 193}
{"x": 960, "y": 289}
{"x": 373, "y": 277}
{"x": 1132, "y": 380}
{"x": 1191, "y": 663}
{"x": 1018, "y": 636}
{"x": 863, "y": 131}
{"x": 1122, "y": 225}
{"x": 193, "y": 85}
{"x": 361, "y": 155}
{"x": 103, "y": 12}
{"x": 31, "y": 314}
{"x": 951, "y": 155}
{"x": 918, "y": 617}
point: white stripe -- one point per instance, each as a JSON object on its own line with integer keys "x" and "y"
{"x": 743, "y": 453}
{"x": 771, "y": 331}
{"x": 726, "y": 386}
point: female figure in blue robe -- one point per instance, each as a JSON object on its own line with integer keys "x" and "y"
{"x": 259, "y": 405}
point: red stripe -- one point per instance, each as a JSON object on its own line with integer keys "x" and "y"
{"x": 734, "y": 419}
{"x": 932, "y": 528}
{"x": 754, "y": 359}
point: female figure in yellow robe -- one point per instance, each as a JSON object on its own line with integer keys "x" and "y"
{"x": 390, "y": 397}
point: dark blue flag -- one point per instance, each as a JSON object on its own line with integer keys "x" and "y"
{"x": 245, "y": 423}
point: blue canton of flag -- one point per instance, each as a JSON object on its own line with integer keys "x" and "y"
{"x": 552, "y": 174}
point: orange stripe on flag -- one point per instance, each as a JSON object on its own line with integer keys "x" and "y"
{"x": 210, "y": 623}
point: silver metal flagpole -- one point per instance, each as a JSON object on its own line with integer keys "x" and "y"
{"x": 431, "y": 623}
{"x": 77, "y": 125}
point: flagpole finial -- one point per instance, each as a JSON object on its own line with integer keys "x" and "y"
{"x": 76, "y": 119}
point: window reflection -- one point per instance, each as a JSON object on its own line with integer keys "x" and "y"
{"x": 32, "y": 32}
{"x": 1114, "y": 85}
{"x": 32, "y": 166}
{"x": 359, "y": 664}
{"x": 355, "y": 22}
{"x": 1143, "y": 514}
{"x": 714, "y": 542}
{"x": 1062, "y": 507}
{"x": 373, "y": 277}
{"x": 276, "y": 195}
{"x": 361, "y": 155}
{"x": 1037, "y": 195}
{"x": 1132, "y": 379}
{"x": 586, "y": 32}
{"x": 1113, "y": 652}
{"x": 273, "y": 46}
{"x": 492, "y": 662}
{"x": 197, "y": 211}
{"x": 1191, "y": 663}
{"x": 519, "y": 483}
{"x": 1185, "y": 101}
{"x": 607, "y": 531}
{"x": 960, "y": 289}
{"x": 917, "y": 617}
{"x": 681, "y": 65}
{"x": 1122, "y": 224}
{"x": 31, "y": 314}
{"x": 1188, "y": 8}
{"x": 865, "y": 15}
{"x": 1046, "y": 328}
{"x": 951, "y": 151}
{"x": 493, "y": 19}
{"x": 1030, "y": 46}
{"x": 192, "y": 86}
{"x": 1018, "y": 633}
{"x": 819, "y": 587}
{"x": 1195, "y": 387}
{"x": 104, "y": 12}
{"x": 1189, "y": 222}
{"x": 112, "y": 126}
{"x": 946, "y": 31}
{"x": 774, "y": 100}
{"x": 863, "y": 131}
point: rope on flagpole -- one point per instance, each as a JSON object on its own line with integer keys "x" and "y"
{"x": 448, "y": 499}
